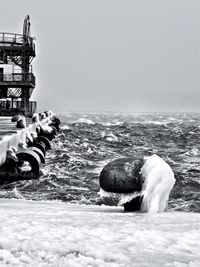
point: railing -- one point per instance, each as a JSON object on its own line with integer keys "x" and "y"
{"x": 15, "y": 39}
{"x": 7, "y": 104}
{"x": 32, "y": 106}
{"x": 18, "y": 77}
{"x": 17, "y": 106}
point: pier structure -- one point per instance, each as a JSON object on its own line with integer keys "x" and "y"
{"x": 24, "y": 135}
{"x": 17, "y": 80}
{"x": 11, "y": 136}
{"x": 23, "y": 150}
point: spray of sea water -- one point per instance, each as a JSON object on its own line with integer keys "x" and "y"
{"x": 85, "y": 144}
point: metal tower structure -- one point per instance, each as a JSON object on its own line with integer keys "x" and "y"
{"x": 17, "y": 80}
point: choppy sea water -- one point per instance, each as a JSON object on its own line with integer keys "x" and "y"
{"x": 87, "y": 142}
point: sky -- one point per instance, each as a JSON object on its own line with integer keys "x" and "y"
{"x": 112, "y": 55}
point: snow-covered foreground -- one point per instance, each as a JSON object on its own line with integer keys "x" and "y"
{"x": 63, "y": 235}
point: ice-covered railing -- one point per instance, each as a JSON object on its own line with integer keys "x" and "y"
{"x": 15, "y": 39}
{"x": 18, "y": 77}
{"x": 17, "y": 106}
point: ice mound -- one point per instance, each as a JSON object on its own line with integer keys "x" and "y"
{"x": 158, "y": 183}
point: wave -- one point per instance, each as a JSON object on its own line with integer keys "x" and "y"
{"x": 86, "y": 143}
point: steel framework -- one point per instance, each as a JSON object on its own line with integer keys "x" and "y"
{"x": 18, "y": 51}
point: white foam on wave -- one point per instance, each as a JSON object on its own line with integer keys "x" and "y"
{"x": 65, "y": 127}
{"x": 158, "y": 183}
{"x": 83, "y": 120}
{"x": 109, "y": 136}
{"x": 192, "y": 152}
{"x": 113, "y": 123}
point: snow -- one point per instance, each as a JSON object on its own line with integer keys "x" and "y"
{"x": 57, "y": 234}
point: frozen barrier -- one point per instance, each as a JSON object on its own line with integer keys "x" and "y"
{"x": 139, "y": 184}
{"x": 29, "y": 144}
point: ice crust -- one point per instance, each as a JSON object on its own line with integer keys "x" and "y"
{"x": 158, "y": 183}
{"x": 65, "y": 235}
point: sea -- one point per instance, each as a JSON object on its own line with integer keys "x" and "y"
{"x": 87, "y": 142}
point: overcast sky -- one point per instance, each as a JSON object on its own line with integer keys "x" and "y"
{"x": 112, "y": 55}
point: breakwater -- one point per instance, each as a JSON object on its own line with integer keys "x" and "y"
{"x": 23, "y": 144}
